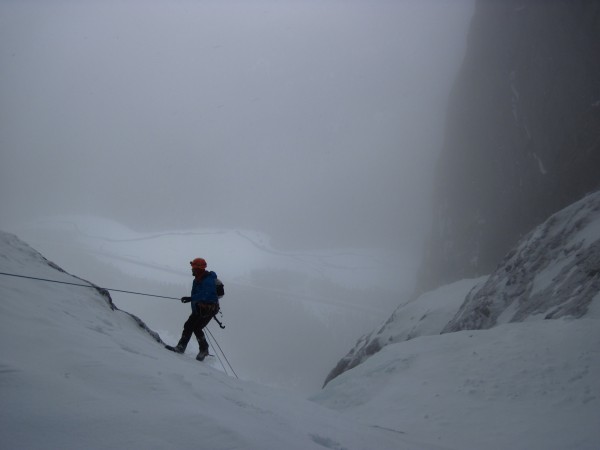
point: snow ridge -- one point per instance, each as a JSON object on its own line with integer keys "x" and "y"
{"x": 553, "y": 272}
{"x": 424, "y": 316}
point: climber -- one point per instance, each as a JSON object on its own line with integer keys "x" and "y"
{"x": 205, "y": 305}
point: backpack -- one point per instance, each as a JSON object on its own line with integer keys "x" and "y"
{"x": 220, "y": 288}
{"x": 220, "y": 293}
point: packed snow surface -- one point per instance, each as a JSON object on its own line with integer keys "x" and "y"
{"x": 75, "y": 373}
{"x": 534, "y": 386}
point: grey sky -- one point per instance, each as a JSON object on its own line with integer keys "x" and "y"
{"x": 317, "y": 122}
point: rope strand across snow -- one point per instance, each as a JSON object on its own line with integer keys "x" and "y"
{"x": 125, "y": 292}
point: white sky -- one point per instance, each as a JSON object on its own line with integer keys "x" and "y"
{"x": 316, "y": 122}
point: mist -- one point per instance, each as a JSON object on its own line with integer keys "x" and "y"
{"x": 135, "y": 136}
{"x": 316, "y": 122}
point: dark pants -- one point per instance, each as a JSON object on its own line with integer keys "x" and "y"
{"x": 195, "y": 323}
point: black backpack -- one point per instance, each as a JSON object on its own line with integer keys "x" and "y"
{"x": 220, "y": 288}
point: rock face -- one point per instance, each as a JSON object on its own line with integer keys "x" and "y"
{"x": 522, "y": 135}
{"x": 554, "y": 272}
{"x": 522, "y": 142}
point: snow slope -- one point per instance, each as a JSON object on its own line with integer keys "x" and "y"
{"x": 427, "y": 315}
{"x": 528, "y": 379}
{"x": 337, "y": 295}
{"x": 530, "y": 386}
{"x": 76, "y": 374}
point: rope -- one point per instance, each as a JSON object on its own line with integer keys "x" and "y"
{"x": 126, "y": 292}
{"x": 222, "y": 353}
{"x": 209, "y": 340}
{"x": 86, "y": 285}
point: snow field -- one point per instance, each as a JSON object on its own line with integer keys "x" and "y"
{"x": 76, "y": 374}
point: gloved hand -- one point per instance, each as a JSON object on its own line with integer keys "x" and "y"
{"x": 186, "y": 299}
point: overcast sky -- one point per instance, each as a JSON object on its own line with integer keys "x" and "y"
{"x": 316, "y": 122}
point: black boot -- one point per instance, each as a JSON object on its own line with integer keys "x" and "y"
{"x": 177, "y": 349}
{"x": 202, "y": 354}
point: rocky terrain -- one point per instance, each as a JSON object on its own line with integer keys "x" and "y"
{"x": 522, "y": 142}
{"x": 522, "y": 135}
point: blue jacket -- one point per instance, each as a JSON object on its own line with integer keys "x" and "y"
{"x": 205, "y": 290}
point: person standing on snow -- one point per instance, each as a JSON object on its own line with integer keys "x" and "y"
{"x": 205, "y": 305}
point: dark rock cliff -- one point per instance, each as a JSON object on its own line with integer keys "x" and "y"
{"x": 522, "y": 135}
{"x": 522, "y": 142}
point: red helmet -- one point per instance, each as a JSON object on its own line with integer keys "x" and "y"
{"x": 198, "y": 263}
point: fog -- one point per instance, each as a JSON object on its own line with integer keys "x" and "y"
{"x": 316, "y": 124}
